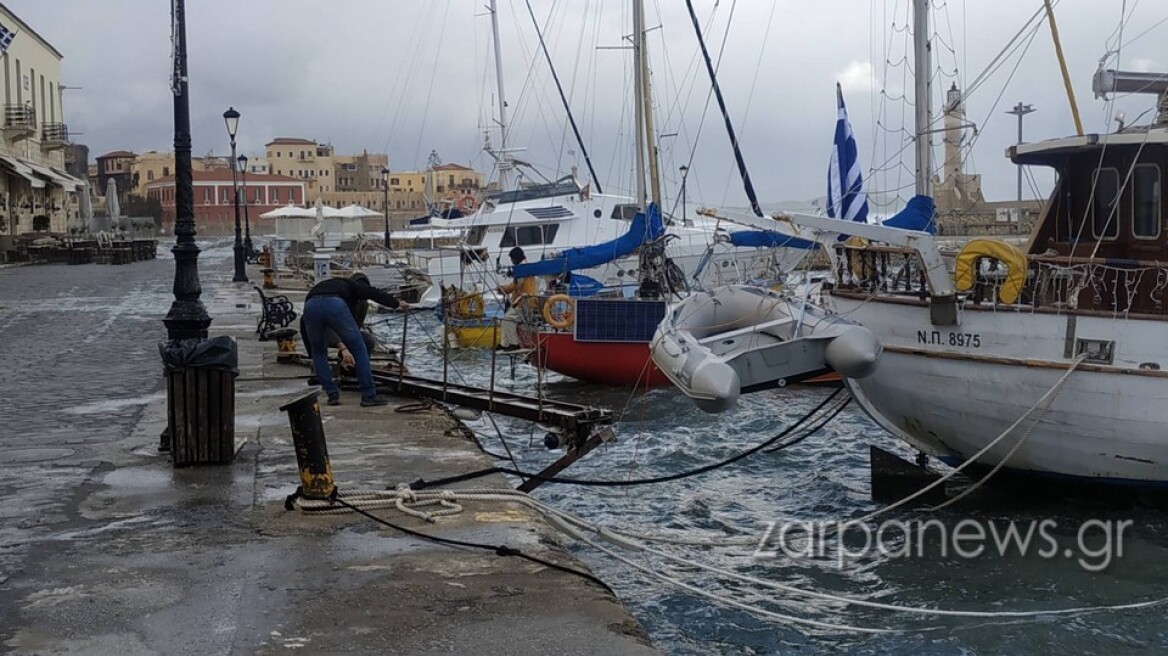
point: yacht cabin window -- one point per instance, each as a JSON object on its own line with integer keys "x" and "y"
{"x": 530, "y": 235}
{"x": 625, "y": 212}
{"x": 474, "y": 236}
{"x": 1146, "y": 201}
{"x": 1105, "y": 203}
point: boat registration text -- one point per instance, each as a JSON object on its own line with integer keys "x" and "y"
{"x": 938, "y": 338}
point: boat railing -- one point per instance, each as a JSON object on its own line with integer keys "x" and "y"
{"x": 885, "y": 269}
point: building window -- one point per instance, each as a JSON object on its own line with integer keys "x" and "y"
{"x": 206, "y": 195}
{"x": 1105, "y": 204}
{"x": 275, "y": 195}
{"x": 165, "y": 171}
{"x": 149, "y": 176}
{"x": 1146, "y": 201}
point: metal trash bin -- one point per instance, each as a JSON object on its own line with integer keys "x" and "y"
{"x": 200, "y": 400}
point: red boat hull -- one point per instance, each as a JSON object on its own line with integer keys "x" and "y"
{"x": 619, "y": 364}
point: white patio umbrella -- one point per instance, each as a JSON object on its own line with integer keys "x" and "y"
{"x": 112, "y": 207}
{"x": 356, "y": 212}
{"x": 290, "y": 212}
{"x": 85, "y": 206}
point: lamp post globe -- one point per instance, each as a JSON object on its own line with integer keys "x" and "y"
{"x": 385, "y": 201}
{"x": 248, "y": 248}
{"x": 231, "y": 120}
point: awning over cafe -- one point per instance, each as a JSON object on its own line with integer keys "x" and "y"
{"x": 23, "y": 171}
{"x": 51, "y": 176}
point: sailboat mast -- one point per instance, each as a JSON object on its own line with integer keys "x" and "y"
{"x": 923, "y": 98}
{"x": 638, "y": 95}
{"x": 647, "y": 102}
{"x": 504, "y": 162}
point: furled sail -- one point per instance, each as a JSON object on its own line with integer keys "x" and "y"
{"x": 769, "y": 239}
{"x": 641, "y": 231}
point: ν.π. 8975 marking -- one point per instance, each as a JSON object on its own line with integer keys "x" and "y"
{"x": 939, "y": 338}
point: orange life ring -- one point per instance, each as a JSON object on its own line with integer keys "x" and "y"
{"x": 563, "y": 320}
{"x": 467, "y": 203}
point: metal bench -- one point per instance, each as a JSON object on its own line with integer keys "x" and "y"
{"x": 278, "y": 314}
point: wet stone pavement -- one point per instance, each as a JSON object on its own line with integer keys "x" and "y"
{"x": 78, "y": 364}
{"x": 105, "y": 548}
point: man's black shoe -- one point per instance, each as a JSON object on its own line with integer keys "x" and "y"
{"x": 374, "y": 400}
{"x": 334, "y": 399}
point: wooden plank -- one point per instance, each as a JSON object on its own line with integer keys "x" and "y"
{"x": 214, "y": 401}
{"x": 228, "y": 417}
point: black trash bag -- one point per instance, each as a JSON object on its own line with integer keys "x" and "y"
{"x": 214, "y": 353}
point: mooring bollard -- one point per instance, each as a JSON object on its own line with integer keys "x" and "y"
{"x": 316, "y": 473}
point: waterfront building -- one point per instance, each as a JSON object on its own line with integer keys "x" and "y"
{"x": 33, "y": 180}
{"x": 215, "y": 204}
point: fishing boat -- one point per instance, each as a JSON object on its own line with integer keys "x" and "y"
{"x": 1046, "y": 360}
{"x": 732, "y": 340}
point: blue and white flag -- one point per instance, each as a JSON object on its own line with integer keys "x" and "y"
{"x": 6, "y": 36}
{"x": 845, "y": 185}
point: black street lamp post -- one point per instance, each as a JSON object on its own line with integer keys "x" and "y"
{"x": 247, "y": 245}
{"x": 385, "y": 202}
{"x": 187, "y": 318}
{"x": 231, "y": 118}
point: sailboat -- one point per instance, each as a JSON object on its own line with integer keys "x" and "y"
{"x": 607, "y": 340}
{"x": 1045, "y": 360}
{"x": 552, "y": 216}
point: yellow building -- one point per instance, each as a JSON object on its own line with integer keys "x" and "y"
{"x": 153, "y": 165}
{"x": 305, "y": 160}
{"x": 33, "y": 181}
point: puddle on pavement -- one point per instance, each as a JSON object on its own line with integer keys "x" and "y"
{"x": 36, "y": 455}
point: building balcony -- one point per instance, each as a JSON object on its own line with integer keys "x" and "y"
{"x": 54, "y": 136}
{"x": 307, "y": 158}
{"x": 19, "y": 121}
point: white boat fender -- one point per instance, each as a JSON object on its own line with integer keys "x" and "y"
{"x": 854, "y": 353}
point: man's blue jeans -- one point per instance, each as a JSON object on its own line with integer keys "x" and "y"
{"x": 321, "y": 313}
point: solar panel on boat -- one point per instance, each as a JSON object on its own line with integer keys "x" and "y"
{"x": 612, "y": 320}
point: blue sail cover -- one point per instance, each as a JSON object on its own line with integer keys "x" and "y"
{"x": 769, "y": 239}
{"x": 918, "y": 214}
{"x": 573, "y": 259}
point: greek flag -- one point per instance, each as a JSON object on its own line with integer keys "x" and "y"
{"x": 845, "y": 185}
{"x": 6, "y": 36}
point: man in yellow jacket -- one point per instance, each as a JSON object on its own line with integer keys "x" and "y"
{"x": 520, "y": 294}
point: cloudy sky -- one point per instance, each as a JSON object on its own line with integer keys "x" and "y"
{"x": 410, "y": 76}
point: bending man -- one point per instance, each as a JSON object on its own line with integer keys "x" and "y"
{"x": 334, "y": 303}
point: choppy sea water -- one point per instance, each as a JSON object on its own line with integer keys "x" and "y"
{"x": 824, "y": 478}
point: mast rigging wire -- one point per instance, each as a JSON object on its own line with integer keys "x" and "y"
{"x": 746, "y": 183}
{"x": 564, "y": 98}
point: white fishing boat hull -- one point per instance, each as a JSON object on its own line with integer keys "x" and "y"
{"x": 951, "y": 390}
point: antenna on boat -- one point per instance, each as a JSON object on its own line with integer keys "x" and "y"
{"x": 923, "y": 102}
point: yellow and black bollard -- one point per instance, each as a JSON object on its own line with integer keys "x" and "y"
{"x": 316, "y": 473}
{"x": 269, "y": 279}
